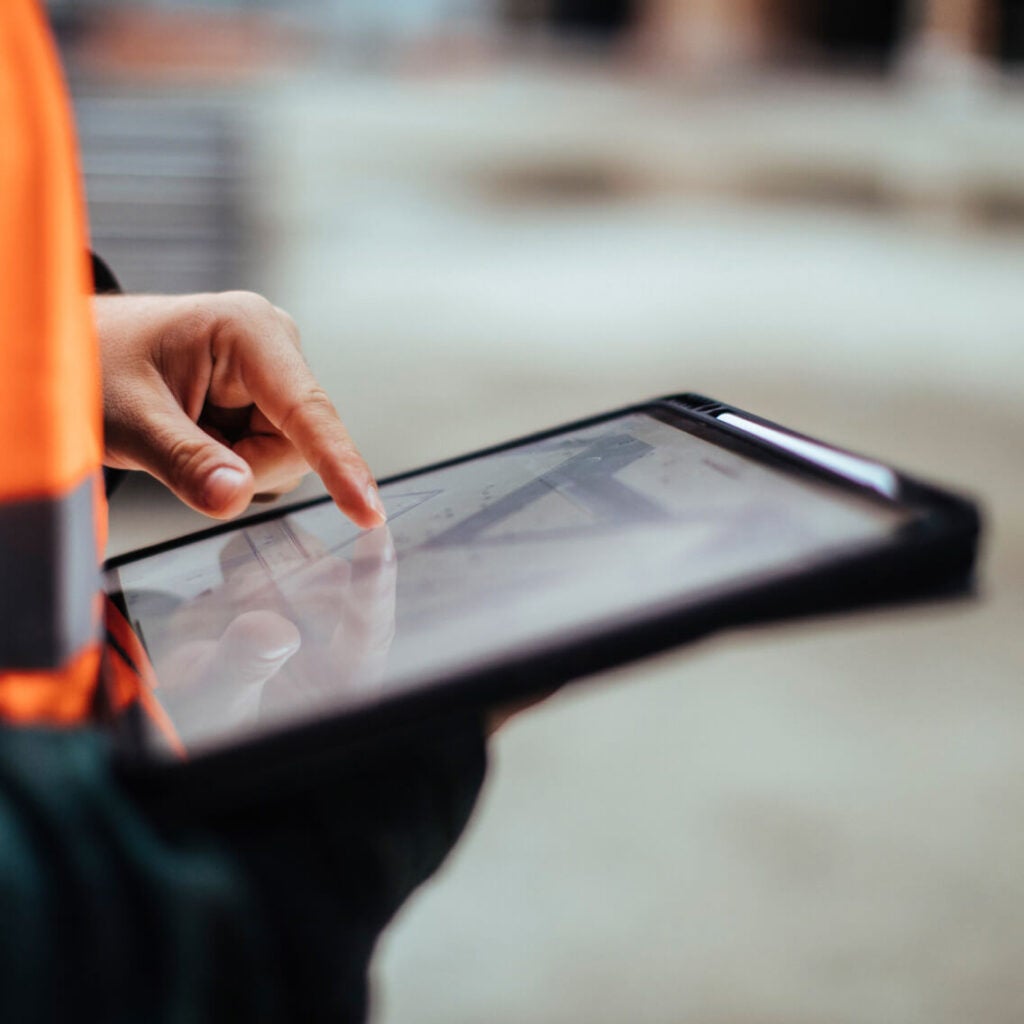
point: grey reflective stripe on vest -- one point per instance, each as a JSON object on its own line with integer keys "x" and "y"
{"x": 49, "y": 577}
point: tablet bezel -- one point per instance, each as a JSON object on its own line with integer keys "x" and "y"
{"x": 932, "y": 554}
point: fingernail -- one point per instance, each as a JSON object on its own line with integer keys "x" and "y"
{"x": 222, "y": 486}
{"x": 373, "y": 499}
{"x": 279, "y": 652}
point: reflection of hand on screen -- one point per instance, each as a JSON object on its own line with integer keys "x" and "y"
{"x": 305, "y": 634}
{"x": 346, "y": 610}
{"x": 223, "y": 678}
{"x": 365, "y": 628}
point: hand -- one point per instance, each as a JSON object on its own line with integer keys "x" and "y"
{"x": 211, "y": 395}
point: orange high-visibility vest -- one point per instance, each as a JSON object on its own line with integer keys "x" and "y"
{"x": 52, "y": 505}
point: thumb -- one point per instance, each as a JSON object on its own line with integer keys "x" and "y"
{"x": 204, "y": 473}
{"x": 253, "y": 648}
{"x": 224, "y": 678}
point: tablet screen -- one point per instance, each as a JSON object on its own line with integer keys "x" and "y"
{"x": 304, "y": 615}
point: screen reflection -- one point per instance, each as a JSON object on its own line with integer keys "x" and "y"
{"x": 292, "y": 626}
{"x": 299, "y": 616}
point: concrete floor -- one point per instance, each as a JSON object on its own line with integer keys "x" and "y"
{"x": 821, "y": 822}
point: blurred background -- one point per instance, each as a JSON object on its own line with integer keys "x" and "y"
{"x": 489, "y": 216}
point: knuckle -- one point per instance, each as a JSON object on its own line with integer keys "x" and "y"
{"x": 248, "y": 305}
{"x": 185, "y": 457}
{"x": 284, "y": 316}
{"x": 241, "y": 297}
{"x": 288, "y": 324}
{"x": 314, "y": 408}
{"x": 316, "y": 402}
{"x": 198, "y": 319}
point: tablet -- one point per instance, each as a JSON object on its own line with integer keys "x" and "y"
{"x": 294, "y": 637}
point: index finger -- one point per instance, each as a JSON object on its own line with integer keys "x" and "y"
{"x": 284, "y": 388}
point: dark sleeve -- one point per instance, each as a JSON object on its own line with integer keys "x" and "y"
{"x": 103, "y": 280}
{"x": 101, "y": 918}
{"x": 353, "y": 852}
{"x": 105, "y": 283}
{"x": 113, "y": 910}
